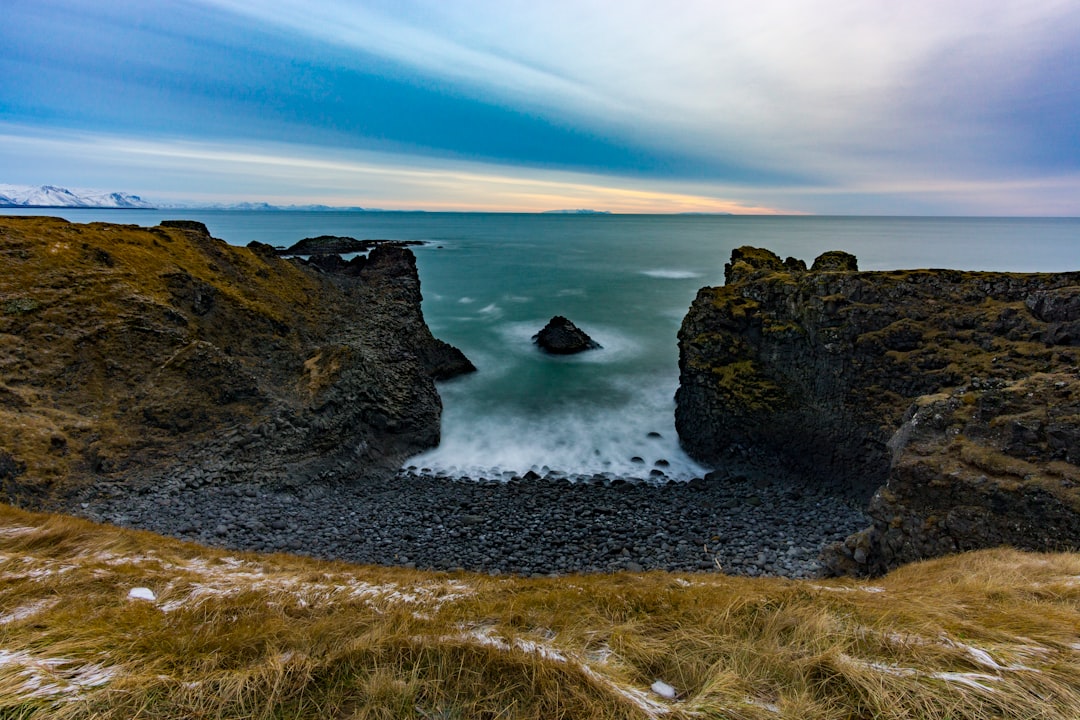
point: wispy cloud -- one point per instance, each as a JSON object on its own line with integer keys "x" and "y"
{"x": 355, "y": 177}
{"x": 777, "y": 84}
{"x": 832, "y": 106}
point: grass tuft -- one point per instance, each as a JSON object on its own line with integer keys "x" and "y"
{"x": 994, "y": 634}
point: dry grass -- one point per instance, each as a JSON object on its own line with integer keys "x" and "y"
{"x": 994, "y": 634}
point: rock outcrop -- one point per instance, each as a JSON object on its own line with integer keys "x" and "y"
{"x": 338, "y": 244}
{"x": 820, "y": 368}
{"x": 562, "y": 337}
{"x": 131, "y": 353}
{"x": 992, "y": 463}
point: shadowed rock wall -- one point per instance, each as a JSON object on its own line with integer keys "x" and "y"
{"x": 819, "y": 368}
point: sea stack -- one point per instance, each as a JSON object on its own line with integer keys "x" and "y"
{"x": 562, "y": 337}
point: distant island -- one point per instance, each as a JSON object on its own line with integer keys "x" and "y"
{"x": 582, "y": 211}
{"x": 704, "y": 213}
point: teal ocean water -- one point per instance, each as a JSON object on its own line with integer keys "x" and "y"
{"x": 491, "y": 281}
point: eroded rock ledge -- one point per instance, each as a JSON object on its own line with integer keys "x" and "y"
{"x": 972, "y": 372}
{"x": 134, "y": 354}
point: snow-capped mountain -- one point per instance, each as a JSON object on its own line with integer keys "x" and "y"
{"x": 52, "y": 196}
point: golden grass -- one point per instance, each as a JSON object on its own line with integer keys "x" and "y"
{"x": 994, "y": 634}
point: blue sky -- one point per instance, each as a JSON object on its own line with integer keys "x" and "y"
{"x": 959, "y": 107}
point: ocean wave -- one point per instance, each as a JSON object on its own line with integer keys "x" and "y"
{"x": 666, "y": 274}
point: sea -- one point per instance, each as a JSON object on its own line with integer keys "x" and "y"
{"x": 492, "y": 281}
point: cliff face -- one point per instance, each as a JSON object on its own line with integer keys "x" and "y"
{"x": 993, "y": 463}
{"x": 128, "y": 353}
{"x": 820, "y": 366}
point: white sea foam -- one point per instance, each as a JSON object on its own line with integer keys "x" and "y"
{"x": 666, "y": 274}
{"x": 576, "y": 440}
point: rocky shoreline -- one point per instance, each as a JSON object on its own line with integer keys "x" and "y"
{"x": 741, "y": 523}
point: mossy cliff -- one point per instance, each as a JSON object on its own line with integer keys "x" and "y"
{"x": 128, "y": 352}
{"x": 820, "y": 367}
{"x": 992, "y": 463}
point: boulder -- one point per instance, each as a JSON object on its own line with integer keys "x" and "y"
{"x": 562, "y": 337}
{"x": 835, "y": 261}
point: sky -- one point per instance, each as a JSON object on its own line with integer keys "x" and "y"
{"x": 868, "y": 107}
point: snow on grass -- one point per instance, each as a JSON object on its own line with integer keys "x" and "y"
{"x": 26, "y": 611}
{"x": 848, "y": 589}
{"x": 51, "y": 677}
{"x": 228, "y": 577}
{"x": 13, "y": 531}
{"x": 485, "y": 636}
{"x": 976, "y": 681}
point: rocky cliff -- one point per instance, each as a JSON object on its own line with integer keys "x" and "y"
{"x": 130, "y": 353}
{"x": 823, "y": 367}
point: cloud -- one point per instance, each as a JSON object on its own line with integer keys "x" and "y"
{"x": 777, "y": 85}
{"x": 873, "y": 106}
{"x": 209, "y": 171}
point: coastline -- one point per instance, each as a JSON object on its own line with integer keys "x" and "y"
{"x": 751, "y": 521}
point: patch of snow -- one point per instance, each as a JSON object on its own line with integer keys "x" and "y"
{"x": 230, "y": 576}
{"x": 842, "y": 589}
{"x": 600, "y": 654}
{"x": 38, "y": 574}
{"x": 981, "y": 657}
{"x": 894, "y": 670}
{"x": 664, "y": 690}
{"x": 484, "y": 636}
{"x": 15, "y": 531}
{"x": 972, "y": 680}
{"x": 638, "y": 697}
{"x": 26, "y": 611}
{"x": 771, "y": 707}
{"x": 49, "y": 677}
{"x": 141, "y": 593}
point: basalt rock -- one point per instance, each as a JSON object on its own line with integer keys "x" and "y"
{"x": 819, "y": 367}
{"x": 985, "y": 465}
{"x": 186, "y": 356}
{"x": 562, "y": 337}
{"x": 337, "y": 245}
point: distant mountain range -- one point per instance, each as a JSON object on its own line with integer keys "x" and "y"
{"x": 582, "y": 211}
{"x": 267, "y": 207}
{"x": 50, "y": 196}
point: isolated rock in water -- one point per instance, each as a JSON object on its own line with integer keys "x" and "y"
{"x": 562, "y": 337}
